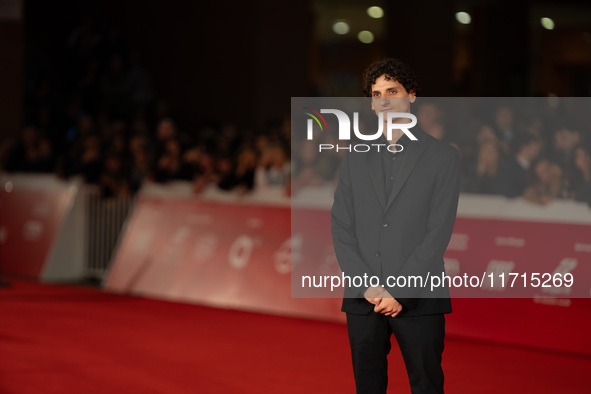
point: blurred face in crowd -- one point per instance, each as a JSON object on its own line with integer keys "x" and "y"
{"x": 427, "y": 115}
{"x": 173, "y": 148}
{"x": 85, "y": 125}
{"x": 308, "y": 152}
{"x": 191, "y": 156}
{"x": 535, "y": 127}
{"x": 532, "y": 150}
{"x": 224, "y": 165}
{"x": 486, "y": 134}
{"x": 92, "y": 142}
{"x": 112, "y": 164}
{"x": 544, "y": 171}
{"x": 504, "y": 117}
{"x": 248, "y": 158}
{"x": 118, "y": 143}
{"x": 262, "y": 143}
{"x": 140, "y": 159}
{"x": 582, "y": 160}
{"x": 137, "y": 144}
{"x": 205, "y": 162}
{"x": 388, "y": 95}
{"x": 276, "y": 156}
{"x": 30, "y": 136}
{"x": 565, "y": 139}
{"x": 165, "y": 129}
{"x": 489, "y": 153}
{"x": 45, "y": 148}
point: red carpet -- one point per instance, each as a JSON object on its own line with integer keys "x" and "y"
{"x": 65, "y": 339}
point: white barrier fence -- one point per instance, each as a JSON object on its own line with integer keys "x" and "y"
{"x": 104, "y": 219}
{"x": 57, "y": 230}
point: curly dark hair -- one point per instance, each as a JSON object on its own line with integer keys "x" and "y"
{"x": 392, "y": 69}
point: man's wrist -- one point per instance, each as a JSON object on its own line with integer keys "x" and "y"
{"x": 376, "y": 292}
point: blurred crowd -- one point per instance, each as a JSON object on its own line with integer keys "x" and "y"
{"x": 102, "y": 119}
{"x": 120, "y": 155}
{"x": 540, "y": 155}
{"x": 535, "y": 148}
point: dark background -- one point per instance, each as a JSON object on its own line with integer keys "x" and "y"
{"x": 241, "y": 61}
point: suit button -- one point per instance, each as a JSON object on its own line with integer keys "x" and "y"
{"x": 378, "y": 253}
{"x": 385, "y": 224}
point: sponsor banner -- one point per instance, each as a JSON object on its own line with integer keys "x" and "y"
{"x": 221, "y": 254}
{"x": 236, "y": 255}
{"x": 520, "y": 259}
{"x": 31, "y": 215}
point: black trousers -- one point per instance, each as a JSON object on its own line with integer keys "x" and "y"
{"x": 420, "y": 339}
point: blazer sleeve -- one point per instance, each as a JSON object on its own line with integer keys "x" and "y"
{"x": 342, "y": 226}
{"x": 440, "y": 223}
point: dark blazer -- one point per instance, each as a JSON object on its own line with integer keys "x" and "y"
{"x": 406, "y": 235}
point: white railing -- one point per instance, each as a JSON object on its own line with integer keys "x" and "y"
{"x": 104, "y": 220}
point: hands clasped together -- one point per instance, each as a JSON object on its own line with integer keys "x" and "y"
{"x": 383, "y": 301}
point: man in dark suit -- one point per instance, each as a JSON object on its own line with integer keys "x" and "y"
{"x": 392, "y": 217}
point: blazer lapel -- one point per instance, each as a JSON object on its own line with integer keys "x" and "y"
{"x": 415, "y": 150}
{"x": 376, "y": 173}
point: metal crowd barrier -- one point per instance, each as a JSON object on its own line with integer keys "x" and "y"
{"x": 105, "y": 218}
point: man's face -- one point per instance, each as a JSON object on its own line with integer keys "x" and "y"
{"x": 388, "y": 95}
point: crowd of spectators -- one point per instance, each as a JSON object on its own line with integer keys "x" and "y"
{"x": 540, "y": 158}
{"x": 112, "y": 129}
{"x": 535, "y": 148}
{"x": 101, "y": 118}
{"x": 119, "y": 156}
